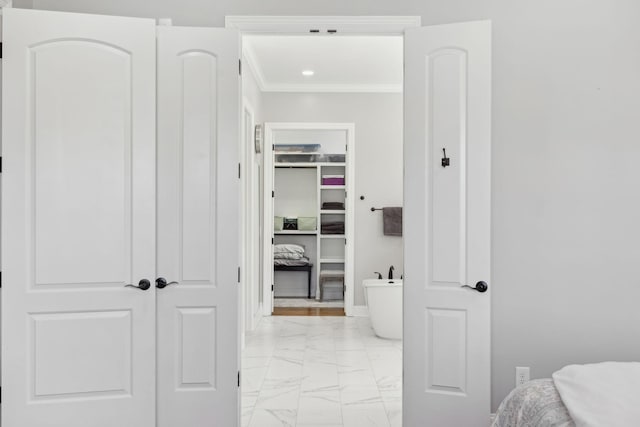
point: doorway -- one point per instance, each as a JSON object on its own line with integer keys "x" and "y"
{"x": 321, "y": 107}
{"x": 449, "y": 78}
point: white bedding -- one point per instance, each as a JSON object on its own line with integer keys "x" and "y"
{"x": 601, "y": 394}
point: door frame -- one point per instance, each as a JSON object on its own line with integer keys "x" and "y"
{"x": 268, "y": 203}
{"x": 321, "y": 25}
{"x": 303, "y": 25}
{"x": 249, "y": 195}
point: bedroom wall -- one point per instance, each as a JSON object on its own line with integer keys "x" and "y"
{"x": 378, "y": 131}
{"x": 566, "y": 101}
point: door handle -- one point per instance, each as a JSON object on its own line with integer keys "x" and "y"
{"x": 480, "y": 287}
{"x": 162, "y": 283}
{"x": 143, "y": 285}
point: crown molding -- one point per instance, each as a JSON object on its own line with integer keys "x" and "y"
{"x": 361, "y": 25}
{"x": 332, "y": 88}
{"x": 250, "y": 58}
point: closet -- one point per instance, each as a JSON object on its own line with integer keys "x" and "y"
{"x": 312, "y": 169}
{"x": 119, "y": 231}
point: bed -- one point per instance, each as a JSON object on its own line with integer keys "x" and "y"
{"x": 591, "y": 395}
{"x": 534, "y": 404}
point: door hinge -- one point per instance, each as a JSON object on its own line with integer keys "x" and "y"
{"x": 240, "y": 66}
{"x": 272, "y": 241}
{"x": 273, "y": 194}
{"x": 239, "y": 166}
{"x": 0, "y": 50}
{"x": 0, "y": 279}
{"x": 0, "y": 164}
{"x": 271, "y": 288}
{"x": 238, "y": 378}
{"x": 238, "y": 274}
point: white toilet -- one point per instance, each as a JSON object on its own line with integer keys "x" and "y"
{"x": 384, "y": 299}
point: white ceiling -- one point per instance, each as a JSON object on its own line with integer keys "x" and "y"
{"x": 340, "y": 63}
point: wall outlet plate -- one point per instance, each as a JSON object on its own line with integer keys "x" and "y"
{"x": 522, "y": 375}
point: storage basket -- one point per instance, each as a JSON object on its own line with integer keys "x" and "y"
{"x": 307, "y": 223}
{"x": 278, "y": 223}
{"x": 290, "y": 224}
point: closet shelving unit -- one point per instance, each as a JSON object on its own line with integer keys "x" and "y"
{"x": 332, "y": 251}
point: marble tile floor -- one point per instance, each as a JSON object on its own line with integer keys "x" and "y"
{"x": 320, "y": 372}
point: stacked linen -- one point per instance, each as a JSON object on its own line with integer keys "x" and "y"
{"x": 337, "y": 206}
{"x": 289, "y": 255}
{"x": 333, "y": 227}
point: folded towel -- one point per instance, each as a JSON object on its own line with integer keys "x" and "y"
{"x": 332, "y": 227}
{"x": 392, "y": 221}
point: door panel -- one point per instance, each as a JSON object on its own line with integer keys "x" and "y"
{"x": 78, "y": 222}
{"x": 198, "y": 118}
{"x": 447, "y": 223}
{"x": 98, "y": 217}
{"x": 56, "y": 336}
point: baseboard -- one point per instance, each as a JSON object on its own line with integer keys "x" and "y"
{"x": 360, "y": 311}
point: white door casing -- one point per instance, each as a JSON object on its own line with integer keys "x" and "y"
{"x": 268, "y": 181}
{"x": 251, "y": 218}
{"x": 198, "y": 226}
{"x": 78, "y": 220}
{"x": 447, "y": 225}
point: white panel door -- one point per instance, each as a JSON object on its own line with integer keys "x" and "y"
{"x": 78, "y": 223}
{"x": 447, "y": 225}
{"x": 198, "y": 226}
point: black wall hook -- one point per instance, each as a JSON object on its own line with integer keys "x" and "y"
{"x": 445, "y": 159}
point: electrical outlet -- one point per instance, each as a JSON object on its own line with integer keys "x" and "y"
{"x": 522, "y": 375}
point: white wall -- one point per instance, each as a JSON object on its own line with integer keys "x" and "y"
{"x": 378, "y": 168}
{"x": 566, "y": 102}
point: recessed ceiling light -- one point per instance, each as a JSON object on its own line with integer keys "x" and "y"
{"x": 308, "y": 73}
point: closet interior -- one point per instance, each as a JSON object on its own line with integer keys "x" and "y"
{"x": 310, "y": 231}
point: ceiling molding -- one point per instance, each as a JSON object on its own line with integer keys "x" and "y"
{"x": 250, "y": 58}
{"x": 332, "y": 88}
{"x": 361, "y": 25}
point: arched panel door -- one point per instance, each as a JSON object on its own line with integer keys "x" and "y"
{"x": 198, "y": 231}
{"x": 447, "y": 221}
{"x": 78, "y": 220}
